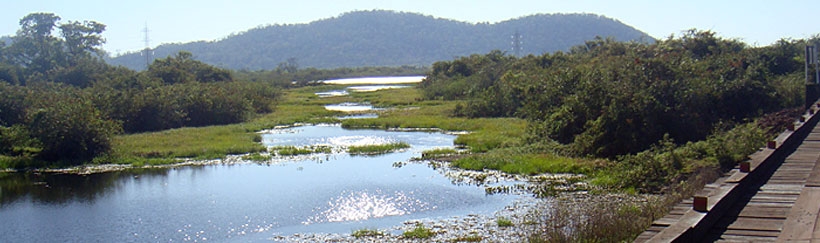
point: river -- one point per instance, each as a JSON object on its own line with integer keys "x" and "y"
{"x": 320, "y": 193}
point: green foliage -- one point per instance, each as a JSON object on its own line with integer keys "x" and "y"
{"x": 419, "y": 232}
{"x": 504, "y": 222}
{"x": 17, "y": 141}
{"x": 293, "y": 150}
{"x": 608, "y": 98}
{"x": 70, "y": 128}
{"x": 377, "y": 148}
{"x": 182, "y": 68}
{"x": 438, "y": 153}
{"x": 256, "y": 157}
{"x": 468, "y": 238}
{"x": 613, "y": 219}
{"x": 666, "y": 163}
{"x": 366, "y": 233}
{"x": 516, "y": 162}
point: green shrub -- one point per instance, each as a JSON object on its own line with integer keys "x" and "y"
{"x": 419, "y": 232}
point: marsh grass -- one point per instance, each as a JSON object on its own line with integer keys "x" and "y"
{"x": 419, "y": 232}
{"x": 524, "y": 163}
{"x": 257, "y": 157}
{"x": 366, "y": 233}
{"x": 377, "y": 148}
{"x": 293, "y": 150}
{"x": 485, "y": 133}
{"x": 593, "y": 220}
{"x": 504, "y": 222}
{"x": 468, "y": 238}
{"x": 438, "y": 153}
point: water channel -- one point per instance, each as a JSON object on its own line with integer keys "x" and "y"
{"x": 327, "y": 193}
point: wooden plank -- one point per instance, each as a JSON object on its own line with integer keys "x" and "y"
{"x": 765, "y": 233}
{"x": 800, "y": 223}
{"x": 744, "y": 223}
{"x": 745, "y": 238}
{"x": 765, "y": 212}
{"x": 814, "y": 176}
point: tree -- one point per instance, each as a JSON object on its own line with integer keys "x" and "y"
{"x": 182, "y": 68}
{"x": 34, "y": 47}
{"x": 82, "y": 38}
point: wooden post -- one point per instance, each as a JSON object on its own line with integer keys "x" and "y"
{"x": 699, "y": 203}
{"x": 745, "y": 166}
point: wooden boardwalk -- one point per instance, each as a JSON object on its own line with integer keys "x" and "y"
{"x": 778, "y": 201}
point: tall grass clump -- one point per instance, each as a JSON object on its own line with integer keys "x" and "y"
{"x": 615, "y": 219}
{"x": 377, "y": 148}
{"x": 419, "y": 232}
{"x": 293, "y": 150}
{"x": 511, "y": 161}
{"x": 366, "y": 233}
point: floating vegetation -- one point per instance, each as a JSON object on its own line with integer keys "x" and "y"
{"x": 377, "y": 148}
{"x": 438, "y": 153}
{"x": 258, "y": 157}
{"x": 504, "y": 222}
{"x": 366, "y": 233}
{"x": 419, "y": 232}
{"x": 473, "y": 237}
{"x": 293, "y": 150}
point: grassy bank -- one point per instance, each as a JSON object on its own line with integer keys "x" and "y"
{"x": 302, "y": 105}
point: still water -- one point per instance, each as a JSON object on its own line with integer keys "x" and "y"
{"x": 329, "y": 193}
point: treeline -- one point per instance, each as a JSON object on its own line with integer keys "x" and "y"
{"x": 608, "y": 98}
{"x": 62, "y": 103}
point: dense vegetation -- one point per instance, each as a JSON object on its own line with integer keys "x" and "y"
{"x": 62, "y": 103}
{"x": 387, "y": 38}
{"x": 622, "y": 100}
{"x": 663, "y": 118}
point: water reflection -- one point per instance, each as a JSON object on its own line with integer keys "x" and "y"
{"x": 297, "y": 194}
{"x": 362, "y": 205}
{"x": 53, "y": 188}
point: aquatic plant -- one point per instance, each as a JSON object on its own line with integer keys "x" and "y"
{"x": 504, "y": 222}
{"x": 377, "y": 148}
{"x": 257, "y": 157}
{"x": 419, "y": 232}
{"x": 293, "y": 150}
{"x": 366, "y": 233}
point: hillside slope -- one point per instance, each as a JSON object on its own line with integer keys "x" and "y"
{"x": 388, "y": 38}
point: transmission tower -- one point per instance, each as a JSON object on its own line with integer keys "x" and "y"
{"x": 517, "y": 43}
{"x": 147, "y": 52}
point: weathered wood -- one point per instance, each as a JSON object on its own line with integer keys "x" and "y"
{"x": 755, "y": 206}
{"x": 802, "y": 218}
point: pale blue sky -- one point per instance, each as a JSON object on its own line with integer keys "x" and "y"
{"x": 172, "y": 21}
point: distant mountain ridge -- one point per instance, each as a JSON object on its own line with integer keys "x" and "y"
{"x": 389, "y": 38}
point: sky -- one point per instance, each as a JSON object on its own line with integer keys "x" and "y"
{"x": 756, "y": 22}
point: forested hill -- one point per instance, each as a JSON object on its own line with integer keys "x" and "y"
{"x": 388, "y": 38}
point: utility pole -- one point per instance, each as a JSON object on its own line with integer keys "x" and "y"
{"x": 812, "y": 91}
{"x": 147, "y": 52}
{"x": 517, "y": 43}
